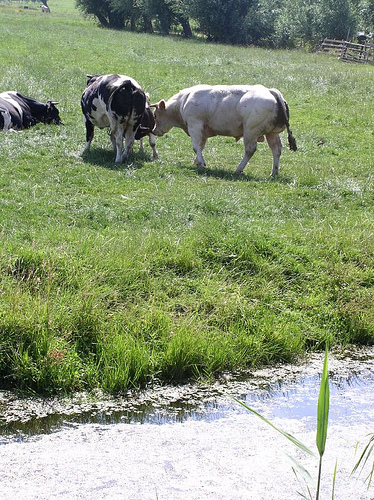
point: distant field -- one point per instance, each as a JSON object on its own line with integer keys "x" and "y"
{"x": 113, "y": 275}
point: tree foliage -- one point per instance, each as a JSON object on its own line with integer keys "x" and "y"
{"x": 221, "y": 20}
{"x": 271, "y": 23}
{"x": 105, "y": 11}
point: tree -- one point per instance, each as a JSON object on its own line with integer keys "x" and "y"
{"x": 128, "y": 10}
{"x": 337, "y": 19}
{"x": 308, "y": 22}
{"x": 140, "y": 14}
{"x": 365, "y": 14}
{"x": 296, "y": 23}
{"x": 260, "y": 22}
{"x": 271, "y": 23}
{"x": 221, "y": 20}
{"x": 104, "y": 11}
{"x": 161, "y": 11}
{"x": 180, "y": 10}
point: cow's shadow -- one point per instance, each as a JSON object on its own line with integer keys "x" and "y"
{"x": 104, "y": 158}
{"x": 246, "y": 176}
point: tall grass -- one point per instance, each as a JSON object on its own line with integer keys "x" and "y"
{"x": 112, "y": 275}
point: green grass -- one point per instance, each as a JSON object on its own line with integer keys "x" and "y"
{"x": 112, "y": 275}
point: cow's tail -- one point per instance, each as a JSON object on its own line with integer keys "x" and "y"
{"x": 283, "y": 106}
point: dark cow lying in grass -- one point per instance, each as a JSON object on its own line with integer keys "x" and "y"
{"x": 117, "y": 102}
{"x": 18, "y": 112}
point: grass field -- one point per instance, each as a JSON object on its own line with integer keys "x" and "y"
{"x": 113, "y": 275}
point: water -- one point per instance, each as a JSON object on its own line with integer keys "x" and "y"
{"x": 189, "y": 442}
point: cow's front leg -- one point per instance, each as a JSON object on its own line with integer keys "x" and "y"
{"x": 198, "y": 147}
{"x": 152, "y": 143}
{"x": 198, "y": 140}
{"x": 250, "y": 146}
{"x": 89, "y": 135}
{"x": 275, "y": 144}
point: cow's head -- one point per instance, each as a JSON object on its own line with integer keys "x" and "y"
{"x": 148, "y": 121}
{"x": 164, "y": 122}
{"x": 146, "y": 125}
{"x": 52, "y": 114}
{"x": 91, "y": 79}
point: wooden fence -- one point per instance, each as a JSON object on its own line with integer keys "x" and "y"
{"x": 350, "y": 52}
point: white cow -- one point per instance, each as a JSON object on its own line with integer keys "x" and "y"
{"x": 248, "y": 111}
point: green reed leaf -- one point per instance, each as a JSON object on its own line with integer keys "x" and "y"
{"x": 293, "y": 440}
{"x": 334, "y": 480}
{"x": 323, "y": 408}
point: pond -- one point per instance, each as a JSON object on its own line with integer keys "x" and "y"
{"x": 193, "y": 441}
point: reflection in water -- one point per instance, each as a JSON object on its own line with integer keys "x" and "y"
{"x": 285, "y": 392}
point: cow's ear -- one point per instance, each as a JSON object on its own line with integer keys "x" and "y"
{"x": 158, "y": 105}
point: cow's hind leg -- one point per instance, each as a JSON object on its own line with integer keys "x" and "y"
{"x": 250, "y": 146}
{"x": 275, "y": 145}
{"x": 113, "y": 141}
{"x": 89, "y": 135}
{"x": 129, "y": 143}
{"x": 117, "y": 141}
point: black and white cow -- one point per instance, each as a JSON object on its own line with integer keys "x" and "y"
{"x": 18, "y": 112}
{"x": 117, "y": 102}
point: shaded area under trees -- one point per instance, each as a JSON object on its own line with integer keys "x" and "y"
{"x": 266, "y": 23}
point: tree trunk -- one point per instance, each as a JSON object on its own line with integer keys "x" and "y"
{"x": 187, "y": 32}
{"x": 148, "y": 28}
{"x": 116, "y": 20}
{"x": 164, "y": 25}
{"x": 132, "y": 23}
{"x": 102, "y": 20}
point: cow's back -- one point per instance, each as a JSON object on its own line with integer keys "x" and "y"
{"x": 226, "y": 109}
{"x": 108, "y": 94}
{"x": 15, "y": 113}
